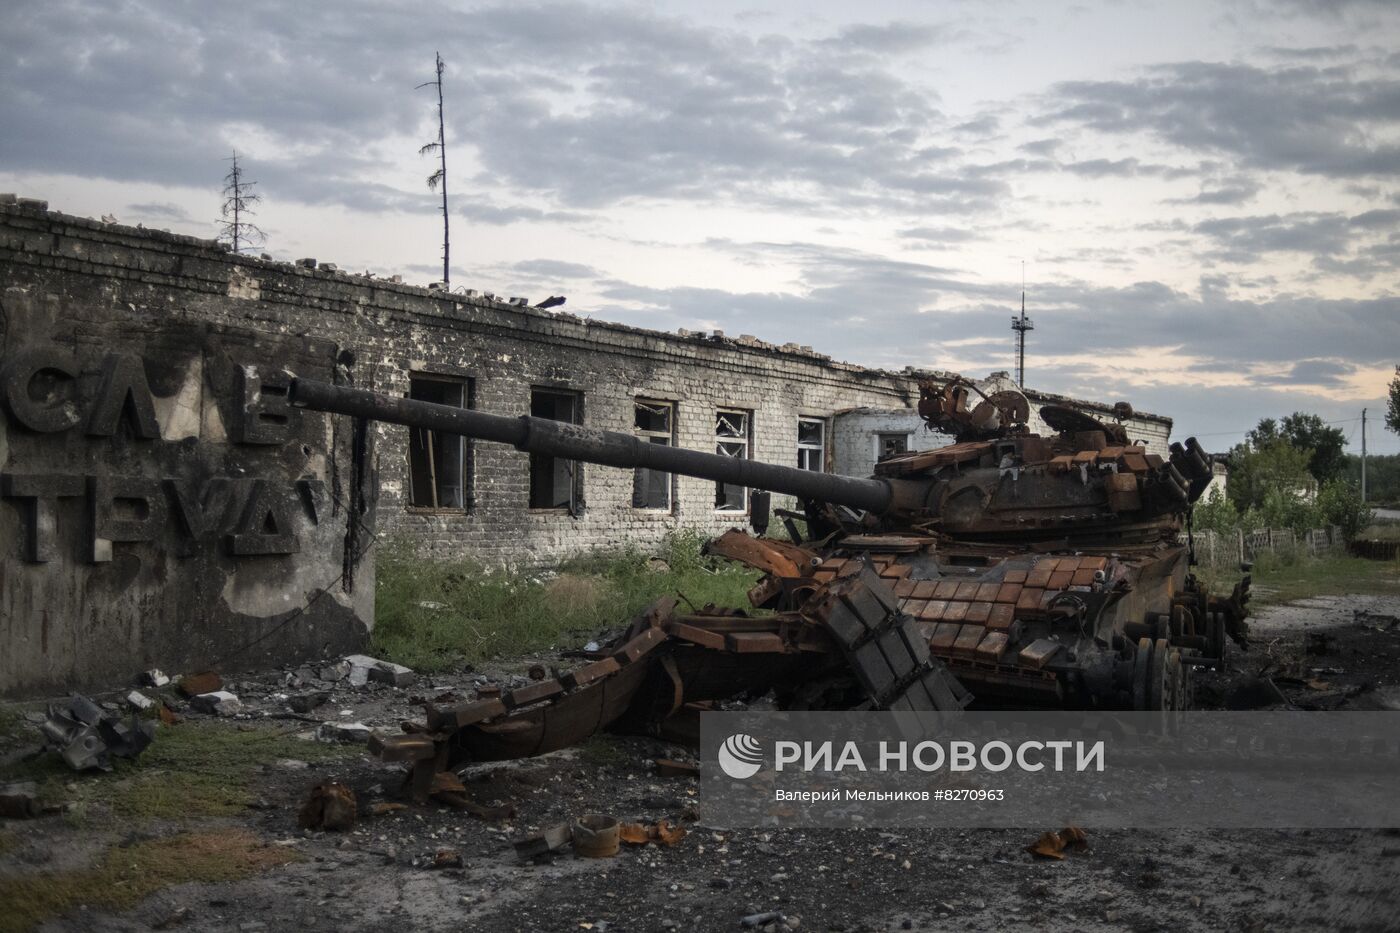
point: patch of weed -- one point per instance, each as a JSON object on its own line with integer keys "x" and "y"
{"x": 191, "y": 770}
{"x": 1289, "y": 576}
{"x": 123, "y": 876}
{"x": 602, "y": 750}
{"x": 433, "y": 615}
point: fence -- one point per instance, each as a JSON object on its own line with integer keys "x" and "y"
{"x": 1215, "y": 549}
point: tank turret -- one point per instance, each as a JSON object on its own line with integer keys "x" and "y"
{"x": 998, "y": 482}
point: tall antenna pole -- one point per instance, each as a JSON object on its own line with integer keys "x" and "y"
{"x": 1020, "y": 325}
{"x": 439, "y": 178}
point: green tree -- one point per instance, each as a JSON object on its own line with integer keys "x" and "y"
{"x": 1339, "y": 503}
{"x": 1326, "y": 445}
{"x": 1275, "y": 473}
{"x": 1392, "y": 411}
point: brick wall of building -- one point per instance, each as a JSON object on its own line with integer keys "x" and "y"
{"x": 389, "y": 331}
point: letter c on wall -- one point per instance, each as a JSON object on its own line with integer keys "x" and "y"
{"x": 52, "y": 411}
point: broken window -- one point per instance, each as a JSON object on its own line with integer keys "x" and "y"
{"x": 555, "y": 483}
{"x": 655, "y": 423}
{"x": 439, "y": 465}
{"x": 733, "y": 434}
{"x": 811, "y": 444}
{"x": 891, "y": 444}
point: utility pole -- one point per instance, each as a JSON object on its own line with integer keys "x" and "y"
{"x": 1020, "y": 325}
{"x": 438, "y": 179}
{"x": 1363, "y": 456}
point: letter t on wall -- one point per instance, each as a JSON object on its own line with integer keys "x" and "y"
{"x": 38, "y": 495}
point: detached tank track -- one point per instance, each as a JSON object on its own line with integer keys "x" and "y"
{"x": 857, "y": 615}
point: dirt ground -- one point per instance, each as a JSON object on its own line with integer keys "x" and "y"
{"x": 382, "y": 874}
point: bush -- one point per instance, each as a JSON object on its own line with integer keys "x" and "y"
{"x": 1217, "y": 513}
{"x": 1339, "y": 503}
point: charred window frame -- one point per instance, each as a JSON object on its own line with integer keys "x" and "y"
{"x": 733, "y": 438}
{"x": 654, "y": 422}
{"x": 887, "y": 445}
{"x": 811, "y": 444}
{"x": 440, "y": 466}
{"x": 556, "y": 485}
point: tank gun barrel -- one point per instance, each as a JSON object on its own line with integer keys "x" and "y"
{"x": 609, "y": 448}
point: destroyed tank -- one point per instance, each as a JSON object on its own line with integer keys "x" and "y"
{"x": 1009, "y": 569}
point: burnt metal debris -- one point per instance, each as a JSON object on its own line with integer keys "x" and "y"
{"x": 1011, "y": 568}
{"x": 87, "y": 737}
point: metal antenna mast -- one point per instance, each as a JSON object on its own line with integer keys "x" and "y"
{"x": 438, "y": 179}
{"x": 1020, "y": 325}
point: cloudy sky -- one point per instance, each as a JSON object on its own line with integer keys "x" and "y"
{"x": 1205, "y": 196}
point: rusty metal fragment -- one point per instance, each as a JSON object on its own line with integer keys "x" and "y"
{"x": 1056, "y": 844}
{"x": 596, "y": 836}
{"x": 330, "y": 806}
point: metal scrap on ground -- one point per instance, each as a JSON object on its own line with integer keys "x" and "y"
{"x": 87, "y": 737}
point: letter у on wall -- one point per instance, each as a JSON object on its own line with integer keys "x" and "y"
{"x": 160, "y": 502}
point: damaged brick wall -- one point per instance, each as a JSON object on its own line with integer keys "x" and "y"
{"x": 500, "y": 353}
{"x": 492, "y": 355}
{"x": 160, "y": 506}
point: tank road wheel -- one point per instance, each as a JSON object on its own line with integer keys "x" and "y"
{"x": 1141, "y": 661}
{"x": 1215, "y": 636}
{"x": 1180, "y": 675}
{"x": 1158, "y": 676}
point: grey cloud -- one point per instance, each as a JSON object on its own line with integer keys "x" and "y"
{"x": 1235, "y": 191}
{"x": 1310, "y": 372}
{"x": 1316, "y": 120}
{"x": 1338, "y": 244}
{"x": 1041, "y": 147}
{"x": 1311, "y": 53}
{"x": 160, "y": 211}
{"x": 586, "y": 106}
{"x": 1377, "y": 220}
{"x": 892, "y": 38}
{"x": 909, "y": 310}
{"x": 555, "y": 269}
{"x": 1100, "y": 168}
{"x": 497, "y": 215}
{"x": 940, "y": 234}
{"x": 985, "y": 125}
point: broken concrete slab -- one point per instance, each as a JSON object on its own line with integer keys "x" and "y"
{"x": 155, "y": 678}
{"x": 138, "y": 700}
{"x": 217, "y": 703}
{"x": 351, "y": 733}
{"x": 306, "y": 702}
{"x": 364, "y": 669}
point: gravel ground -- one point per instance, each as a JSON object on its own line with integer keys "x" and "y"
{"x": 381, "y": 875}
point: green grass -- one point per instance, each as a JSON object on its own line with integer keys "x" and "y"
{"x": 11, "y": 719}
{"x": 488, "y": 615}
{"x": 1381, "y": 531}
{"x": 1284, "y": 579}
{"x": 191, "y": 770}
{"x": 124, "y": 875}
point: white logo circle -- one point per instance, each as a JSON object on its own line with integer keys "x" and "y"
{"x": 741, "y": 756}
